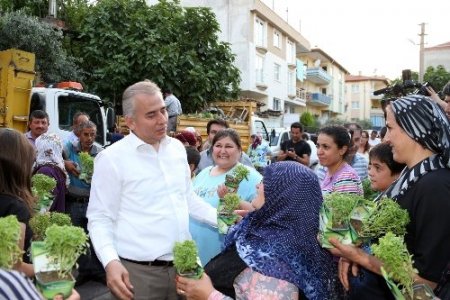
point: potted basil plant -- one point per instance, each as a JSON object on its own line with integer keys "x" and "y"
{"x": 186, "y": 260}
{"x": 225, "y": 212}
{"x": 232, "y": 181}
{"x": 42, "y": 187}
{"x": 10, "y": 252}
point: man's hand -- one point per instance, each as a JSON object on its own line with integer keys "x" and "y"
{"x": 118, "y": 280}
{"x": 71, "y": 168}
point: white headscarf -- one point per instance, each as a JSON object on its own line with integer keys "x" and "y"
{"x": 49, "y": 151}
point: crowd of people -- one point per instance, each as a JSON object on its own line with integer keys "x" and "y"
{"x": 151, "y": 189}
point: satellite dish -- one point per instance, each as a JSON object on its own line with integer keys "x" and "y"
{"x": 317, "y": 63}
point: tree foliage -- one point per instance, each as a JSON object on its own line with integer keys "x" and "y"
{"x": 307, "y": 119}
{"x": 438, "y": 77}
{"x": 27, "y": 33}
{"x": 125, "y": 41}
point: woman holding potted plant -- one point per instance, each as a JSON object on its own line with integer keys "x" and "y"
{"x": 276, "y": 244}
{"x": 419, "y": 133}
{"x": 49, "y": 161}
{"x": 333, "y": 143}
{"x": 226, "y": 152}
{"x": 16, "y": 162}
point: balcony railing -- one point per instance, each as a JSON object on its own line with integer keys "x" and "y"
{"x": 318, "y": 99}
{"x": 318, "y": 76}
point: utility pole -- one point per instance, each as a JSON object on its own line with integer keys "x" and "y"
{"x": 422, "y": 46}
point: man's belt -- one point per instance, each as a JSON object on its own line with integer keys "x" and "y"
{"x": 155, "y": 263}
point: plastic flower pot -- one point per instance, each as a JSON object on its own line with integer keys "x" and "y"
{"x": 357, "y": 217}
{"x": 328, "y": 230}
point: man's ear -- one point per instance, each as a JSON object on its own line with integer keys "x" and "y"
{"x": 130, "y": 122}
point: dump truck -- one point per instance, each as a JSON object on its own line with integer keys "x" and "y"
{"x": 18, "y": 97}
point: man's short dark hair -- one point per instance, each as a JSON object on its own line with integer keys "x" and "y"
{"x": 220, "y": 122}
{"x": 38, "y": 114}
{"x": 297, "y": 125}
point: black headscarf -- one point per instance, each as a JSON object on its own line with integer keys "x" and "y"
{"x": 426, "y": 123}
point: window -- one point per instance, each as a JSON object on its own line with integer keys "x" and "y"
{"x": 355, "y": 88}
{"x": 259, "y": 69}
{"x": 290, "y": 55}
{"x": 276, "y": 39}
{"x": 377, "y": 121}
{"x": 276, "y": 105}
{"x": 276, "y": 72}
{"x": 260, "y": 33}
{"x": 291, "y": 83}
{"x": 355, "y": 104}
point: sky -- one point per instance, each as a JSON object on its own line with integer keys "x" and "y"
{"x": 372, "y": 37}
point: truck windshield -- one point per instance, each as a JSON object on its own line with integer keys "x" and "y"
{"x": 71, "y": 104}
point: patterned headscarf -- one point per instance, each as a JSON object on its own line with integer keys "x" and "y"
{"x": 49, "y": 151}
{"x": 279, "y": 239}
{"x": 426, "y": 123}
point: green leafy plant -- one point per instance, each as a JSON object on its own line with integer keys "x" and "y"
{"x": 87, "y": 166}
{"x": 397, "y": 262}
{"x": 42, "y": 187}
{"x": 232, "y": 181}
{"x": 185, "y": 258}
{"x": 10, "y": 252}
{"x": 64, "y": 245}
{"x": 369, "y": 194}
{"x": 387, "y": 216}
{"x": 40, "y": 222}
{"x": 225, "y": 212}
{"x": 340, "y": 206}
{"x": 230, "y": 203}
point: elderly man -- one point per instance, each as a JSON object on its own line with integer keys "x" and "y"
{"x": 141, "y": 198}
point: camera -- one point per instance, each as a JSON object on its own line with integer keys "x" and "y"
{"x": 407, "y": 87}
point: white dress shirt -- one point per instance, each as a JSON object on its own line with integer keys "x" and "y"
{"x": 141, "y": 199}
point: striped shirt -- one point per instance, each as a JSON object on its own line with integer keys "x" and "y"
{"x": 14, "y": 285}
{"x": 345, "y": 180}
{"x": 359, "y": 163}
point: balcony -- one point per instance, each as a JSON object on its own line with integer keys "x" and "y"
{"x": 318, "y": 99}
{"x": 318, "y": 76}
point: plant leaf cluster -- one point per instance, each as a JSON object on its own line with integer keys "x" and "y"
{"x": 185, "y": 256}
{"x": 87, "y": 166}
{"x": 64, "y": 245}
{"x": 230, "y": 203}
{"x": 10, "y": 252}
{"x": 125, "y": 41}
{"x": 369, "y": 194}
{"x": 40, "y": 222}
{"x": 341, "y": 205}
{"x": 397, "y": 261}
{"x": 42, "y": 187}
{"x": 387, "y": 216}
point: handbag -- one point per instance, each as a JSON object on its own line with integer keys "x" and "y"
{"x": 223, "y": 269}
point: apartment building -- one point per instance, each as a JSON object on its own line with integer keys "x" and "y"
{"x": 266, "y": 48}
{"x": 437, "y": 55}
{"x": 361, "y": 104}
{"x": 323, "y": 86}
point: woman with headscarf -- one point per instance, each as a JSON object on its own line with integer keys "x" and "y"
{"x": 276, "y": 243}
{"x": 419, "y": 133}
{"x": 49, "y": 161}
{"x": 259, "y": 152}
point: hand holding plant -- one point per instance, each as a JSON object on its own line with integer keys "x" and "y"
{"x": 186, "y": 259}
{"x": 42, "y": 187}
{"x": 87, "y": 167}
{"x": 10, "y": 252}
{"x": 225, "y": 212}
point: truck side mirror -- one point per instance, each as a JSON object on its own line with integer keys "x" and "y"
{"x": 110, "y": 119}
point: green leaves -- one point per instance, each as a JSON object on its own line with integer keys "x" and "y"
{"x": 40, "y": 222}
{"x": 42, "y": 187}
{"x": 64, "y": 245}
{"x": 340, "y": 206}
{"x": 185, "y": 256}
{"x": 126, "y": 41}
{"x": 87, "y": 166}
{"x": 10, "y": 252}
{"x": 397, "y": 261}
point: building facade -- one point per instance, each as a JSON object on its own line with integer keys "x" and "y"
{"x": 437, "y": 55}
{"x": 361, "y": 104}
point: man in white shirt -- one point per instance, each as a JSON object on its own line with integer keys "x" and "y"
{"x": 374, "y": 140}
{"x": 141, "y": 198}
